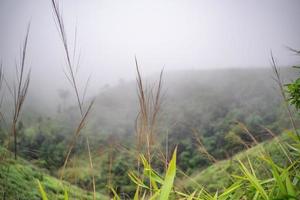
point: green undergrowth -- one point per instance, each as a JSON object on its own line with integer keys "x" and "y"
{"x": 220, "y": 175}
{"x": 19, "y": 180}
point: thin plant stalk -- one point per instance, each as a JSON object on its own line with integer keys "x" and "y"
{"x": 203, "y": 149}
{"x": 279, "y": 82}
{"x": 20, "y": 92}
{"x": 92, "y": 168}
{"x": 280, "y": 143}
{"x": 72, "y": 79}
{"x": 149, "y": 106}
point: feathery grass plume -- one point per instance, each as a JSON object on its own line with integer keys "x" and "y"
{"x": 246, "y": 130}
{"x": 70, "y": 74}
{"x": 19, "y": 90}
{"x": 241, "y": 141}
{"x": 262, "y": 151}
{"x": 149, "y": 105}
{"x": 280, "y": 84}
{"x": 280, "y": 143}
{"x": 202, "y": 149}
{"x": 149, "y": 99}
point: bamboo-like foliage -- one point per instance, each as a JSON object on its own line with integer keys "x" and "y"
{"x": 19, "y": 90}
{"x": 71, "y": 76}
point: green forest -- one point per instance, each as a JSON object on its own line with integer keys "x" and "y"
{"x": 202, "y": 134}
{"x": 225, "y": 133}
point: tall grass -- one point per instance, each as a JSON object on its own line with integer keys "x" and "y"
{"x": 202, "y": 149}
{"x": 281, "y": 181}
{"x": 280, "y": 84}
{"x": 71, "y": 76}
{"x": 19, "y": 90}
{"x": 149, "y": 99}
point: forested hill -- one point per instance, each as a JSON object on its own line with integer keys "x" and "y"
{"x": 197, "y": 98}
{"x": 212, "y": 106}
{"x": 212, "y": 102}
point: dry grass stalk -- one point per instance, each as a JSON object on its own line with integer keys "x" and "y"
{"x": 166, "y": 151}
{"x": 19, "y": 90}
{"x": 149, "y": 106}
{"x": 279, "y": 142}
{"x": 279, "y": 82}
{"x": 263, "y": 151}
{"x": 77, "y": 132}
{"x": 70, "y": 74}
{"x": 1, "y": 76}
{"x": 1, "y": 85}
{"x": 246, "y": 130}
{"x": 92, "y": 168}
{"x": 202, "y": 148}
{"x": 242, "y": 142}
{"x": 1, "y": 114}
{"x": 110, "y": 164}
{"x": 297, "y": 52}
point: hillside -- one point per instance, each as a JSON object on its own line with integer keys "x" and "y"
{"x": 192, "y": 97}
{"x": 18, "y": 180}
{"x": 221, "y": 174}
{"x": 213, "y": 106}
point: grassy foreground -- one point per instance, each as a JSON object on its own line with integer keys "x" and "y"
{"x": 19, "y": 180}
{"x": 220, "y": 175}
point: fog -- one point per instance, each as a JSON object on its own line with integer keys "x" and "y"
{"x": 174, "y": 34}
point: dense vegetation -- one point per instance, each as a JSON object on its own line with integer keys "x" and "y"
{"x": 208, "y": 129}
{"x": 210, "y": 118}
{"x": 18, "y": 180}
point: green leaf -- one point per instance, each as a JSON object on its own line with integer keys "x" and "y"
{"x": 42, "y": 191}
{"x": 278, "y": 179}
{"x": 116, "y": 196}
{"x": 230, "y": 190}
{"x": 136, "y": 195}
{"x": 137, "y": 180}
{"x": 191, "y": 197}
{"x": 290, "y": 188}
{"x": 66, "y": 196}
{"x": 169, "y": 178}
{"x": 253, "y": 181}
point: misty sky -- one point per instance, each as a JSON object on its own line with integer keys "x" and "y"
{"x": 175, "y": 34}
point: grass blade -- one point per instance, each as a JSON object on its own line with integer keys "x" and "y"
{"x": 169, "y": 179}
{"x": 42, "y": 191}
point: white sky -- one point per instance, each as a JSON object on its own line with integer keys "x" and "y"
{"x": 176, "y": 34}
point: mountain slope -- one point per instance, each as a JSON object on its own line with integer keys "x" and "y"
{"x": 18, "y": 180}
{"x": 219, "y": 175}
